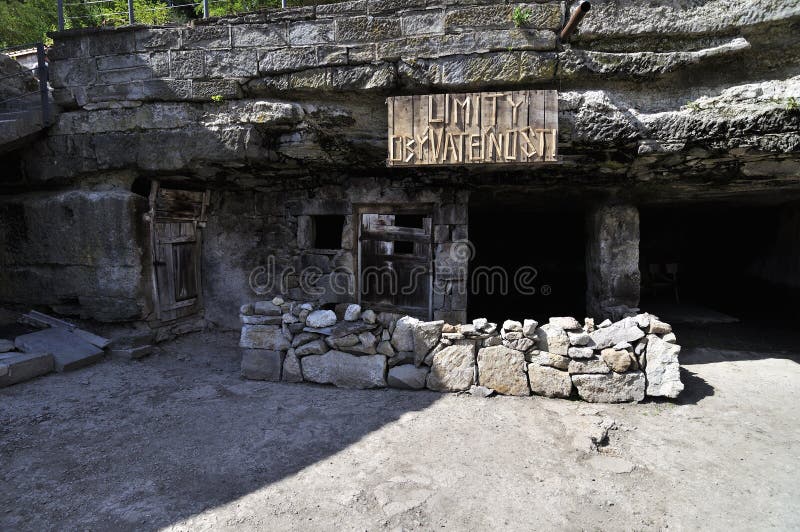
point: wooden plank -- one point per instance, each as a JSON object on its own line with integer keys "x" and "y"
{"x": 551, "y": 125}
{"x": 390, "y": 131}
{"x": 536, "y": 121}
{"x": 403, "y": 129}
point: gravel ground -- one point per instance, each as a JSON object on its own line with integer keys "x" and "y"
{"x": 179, "y": 441}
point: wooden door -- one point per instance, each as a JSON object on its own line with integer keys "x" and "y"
{"x": 395, "y": 269}
{"x": 177, "y": 218}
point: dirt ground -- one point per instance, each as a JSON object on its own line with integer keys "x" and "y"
{"x": 179, "y": 441}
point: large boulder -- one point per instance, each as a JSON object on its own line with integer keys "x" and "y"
{"x": 453, "y": 369}
{"x": 663, "y": 370}
{"x": 426, "y": 335}
{"x": 291, "y": 368}
{"x": 610, "y": 387}
{"x": 552, "y": 339}
{"x": 548, "y": 381}
{"x": 262, "y": 364}
{"x": 503, "y": 370}
{"x": 263, "y": 337}
{"x": 403, "y": 335}
{"x": 345, "y": 370}
{"x": 408, "y": 377}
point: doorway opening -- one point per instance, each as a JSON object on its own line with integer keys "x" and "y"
{"x": 529, "y": 259}
{"x": 715, "y": 263}
{"x": 394, "y": 255}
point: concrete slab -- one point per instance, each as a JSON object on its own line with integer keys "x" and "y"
{"x": 69, "y": 350}
{"x": 20, "y": 367}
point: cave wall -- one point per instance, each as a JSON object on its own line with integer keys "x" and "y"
{"x": 658, "y": 101}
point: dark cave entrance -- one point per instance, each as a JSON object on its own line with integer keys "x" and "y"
{"x": 717, "y": 262}
{"x": 529, "y": 258}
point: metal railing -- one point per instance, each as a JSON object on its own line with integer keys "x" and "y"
{"x": 88, "y": 13}
{"x": 24, "y": 95}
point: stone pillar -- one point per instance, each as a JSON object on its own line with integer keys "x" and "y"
{"x": 612, "y": 261}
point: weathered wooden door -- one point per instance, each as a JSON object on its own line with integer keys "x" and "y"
{"x": 177, "y": 218}
{"x": 395, "y": 270}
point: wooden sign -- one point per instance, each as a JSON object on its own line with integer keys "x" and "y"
{"x": 473, "y": 128}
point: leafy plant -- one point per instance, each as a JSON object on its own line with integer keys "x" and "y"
{"x": 791, "y": 104}
{"x": 216, "y": 98}
{"x": 693, "y": 106}
{"x": 521, "y": 16}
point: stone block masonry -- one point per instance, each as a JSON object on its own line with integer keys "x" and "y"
{"x": 613, "y": 362}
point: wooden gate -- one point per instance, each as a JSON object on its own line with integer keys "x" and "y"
{"x": 176, "y": 220}
{"x": 394, "y": 256}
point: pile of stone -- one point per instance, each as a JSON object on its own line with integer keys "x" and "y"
{"x": 349, "y": 347}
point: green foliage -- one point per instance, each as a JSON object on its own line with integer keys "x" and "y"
{"x": 791, "y": 104}
{"x": 221, "y": 8}
{"x": 26, "y": 21}
{"x": 693, "y": 106}
{"x": 115, "y": 13}
{"x": 217, "y": 98}
{"x": 521, "y": 16}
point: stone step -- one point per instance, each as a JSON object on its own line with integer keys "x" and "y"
{"x": 69, "y": 350}
{"x": 20, "y": 367}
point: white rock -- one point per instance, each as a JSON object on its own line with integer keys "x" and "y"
{"x": 277, "y": 301}
{"x": 385, "y": 348}
{"x": 552, "y": 339}
{"x": 662, "y": 368}
{"x": 321, "y": 318}
{"x": 659, "y": 327}
{"x": 611, "y": 387}
{"x": 622, "y": 346}
{"x": 368, "y": 316}
{"x": 480, "y": 323}
{"x": 580, "y": 338}
{"x": 549, "y": 382}
{"x": 503, "y": 370}
{"x": 529, "y": 328}
{"x": 580, "y": 352}
{"x": 605, "y": 323}
{"x": 408, "y": 377}
{"x": 512, "y": 325}
{"x": 345, "y": 370}
{"x": 452, "y": 369}
{"x": 352, "y": 312}
{"x": 317, "y": 347}
{"x": 291, "y": 368}
{"x": 403, "y": 335}
{"x": 267, "y": 308}
{"x": 426, "y": 335}
{"x": 670, "y": 337}
{"x": 263, "y": 337}
{"x": 543, "y": 358}
{"x": 621, "y": 331}
{"x": 592, "y": 365}
{"x": 567, "y": 323}
{"x": 480, "y": 391}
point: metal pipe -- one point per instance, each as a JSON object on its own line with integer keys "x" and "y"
{"x": 131, "y": 20}
{"x": 205, "y": 8}
{"x": 577, "y": 15}
{"x": 41, "y": 73}
{"x": 60, "y": 15}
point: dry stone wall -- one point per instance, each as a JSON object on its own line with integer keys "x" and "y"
{"x": 349, "y": 347}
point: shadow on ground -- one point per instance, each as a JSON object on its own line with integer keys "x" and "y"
{"x": 148, "y": 444}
